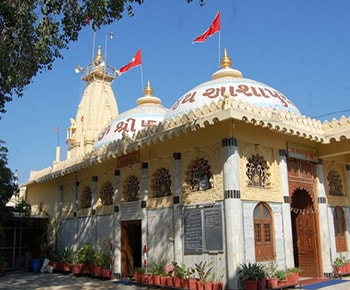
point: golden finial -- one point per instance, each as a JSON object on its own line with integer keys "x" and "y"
{"x": 148, "y": 89}
{"x": 99, "y": 58}
{"x": 226, "y": 60}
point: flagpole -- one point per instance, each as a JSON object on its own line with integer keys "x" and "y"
{"x": 93, "y": 46}
{"x": 142, "y": 79}
{"x": 219, "y": 46}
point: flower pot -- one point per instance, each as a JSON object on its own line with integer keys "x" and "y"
{"x": 250, "y": 284}
{"x": 76, "y": 269}
{"x": 65, "y": 267}
{"x": 148, "y": 278}
{"x": 185, "y": 283}
{"x": 261, "y": 283}
{"x": 192, "y": 283}
{"x": 282, "y": 283}
{"x": 87, "y": 269}
{"x": 200, "y": 285}
{"x": 156, "y": 279}
{"x": 138, "y": 276}
{"x": 55, "y": 266}
{"x": 208, "y": 286}
{"x": 107, "y": 273}
{"x": 169, "y": 281}
{"x": 293, "y": 278}
{"x": 271, "y": 283}
{"x": 97, "y": 271}
{"x": 177, "y": 282}
{"x": 218, "y": 285}
{"x": 163, "y": 280}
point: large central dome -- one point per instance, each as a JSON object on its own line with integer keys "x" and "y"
{"x": 228, "y": 82}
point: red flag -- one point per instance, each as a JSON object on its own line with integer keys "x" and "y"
{"x": 88, "y": 19}
{"x": 57, "y": 129}
{"x": 214, "y": 27}
{"x": 136, "y": 60}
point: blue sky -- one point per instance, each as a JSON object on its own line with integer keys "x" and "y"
{"x": 301, "y": 48}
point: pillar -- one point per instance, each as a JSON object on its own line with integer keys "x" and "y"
{"x": 93, "y": 208}
{"x": 116, "y": 239}
{"x": 233, "y": 211}
{"x": 144, "y": 198}
{"x": 177, "y": 210}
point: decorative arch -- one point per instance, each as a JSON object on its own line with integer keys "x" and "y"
{"x": 339, "y": 229}
{"x": 86, "y": 197}
{"x": 161, "y": 183}
{"x": 263, "y": 233}
{"x": 132, "y": 188}
{"x": 199, "y": 175}
{"x": 106, "y": 193}
{"x": 302, "y": 201}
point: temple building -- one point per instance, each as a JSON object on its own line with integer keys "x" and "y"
{"x": 231, "y": 173}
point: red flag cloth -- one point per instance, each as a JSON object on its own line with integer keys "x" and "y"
{"x": 214, "y": 27}
{"x": 136, "y": 60}
{"x": 88, "y": 20}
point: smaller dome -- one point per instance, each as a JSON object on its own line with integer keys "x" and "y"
{"x": 230, "y": 82}
{"x": 148, "y": 112}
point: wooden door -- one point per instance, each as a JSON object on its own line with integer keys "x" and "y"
{"x": 306, "y": 244}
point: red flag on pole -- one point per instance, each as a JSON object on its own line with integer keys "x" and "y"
{"x": 214, "y": 27}
{"x": 136, "y": 60}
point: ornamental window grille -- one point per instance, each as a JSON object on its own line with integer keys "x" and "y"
{"x": 257, "y": 171}
{"x": 106, "y": 193}
{"x": 133, "y": 188}
{"x": 339, "y": 229}
{"x": 86, "y": 197}
{"x": 200, "y": 175}
{"x": 334, "y": 183}
{"x": 263, "y": 233}
{"x": 162, "y": 183}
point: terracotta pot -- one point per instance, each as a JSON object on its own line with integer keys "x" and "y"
{"x": 87, "y": 269}
{"x": 107, "y": 273}
{"x": 148, "y": 278}
{"x": 163, "y": 280}
{"x": 271, "y": 283}
{"x": 250, "y": 284}
{"x": 208, "y": 285}
{"x": 218, "y": 285}
{"x": 169, "y": 281}
{"x": 261, "y": 283}
{"x": 97, "y": 271}
{"x": 200, "y": 285}
{"x": 293, "y": 278}
{"x": 65, "y": 267}
{"x": 55, "y": 266}
{"x": 76, "y": 269}
{"x": 192, "y": 283}
{"x": 177, "y": 282}
{"x": 185, "y": 283}
{"x": 138, "y": 276}
{"x": 282, "y": 283}
{"x": 156, "y": 279}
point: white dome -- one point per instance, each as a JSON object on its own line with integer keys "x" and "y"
{"x": 229, "y": 82}
{"x": 149, "y": 112}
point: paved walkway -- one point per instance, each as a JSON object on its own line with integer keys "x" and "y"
{"x": 45, "y": 281}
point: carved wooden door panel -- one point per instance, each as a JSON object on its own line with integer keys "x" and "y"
{"x": 306, "y": 244}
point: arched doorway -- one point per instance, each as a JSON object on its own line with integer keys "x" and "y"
{"x": 305, "y": 246}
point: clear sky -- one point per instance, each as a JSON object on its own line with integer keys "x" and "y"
{"x": 299, "y": 47}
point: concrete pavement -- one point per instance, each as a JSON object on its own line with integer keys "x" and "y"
{"x": 45, "y": 281}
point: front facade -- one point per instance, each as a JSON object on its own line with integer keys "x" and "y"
{"x": 231, "y": 173}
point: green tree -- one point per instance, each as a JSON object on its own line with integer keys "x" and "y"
{"x": 8, "y": 185}
{"x": 33, "y": 32}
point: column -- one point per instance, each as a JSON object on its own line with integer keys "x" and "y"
{"x": 144, "y": 198}
{"x": 325, "y": 220}
{"x": 233, "y": 211}
{"x": 177, "y": 210}
{"x": 93, "y": 209}
{"x": 58, "y": 217}
{"x": 116, "y": 239}
{"x": 75, "y": 214}
{"x": 287, "y": 238}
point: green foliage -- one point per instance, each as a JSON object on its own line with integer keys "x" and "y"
{"x": 339, "y": 261}
{"x": 182, "y": 271}
{"x": 249, "y": 271}
{"x": 270, "y": 269}
{"x": 139, "y": 270}
{"x": 67, "y": 255}
{"x": 8, "y": 182}
{"x": 33, "y": 34}
{"x": 281, "y": 275}
{"x": 294, "y": 270}
{"x": 104, "y": 261}
{"x": 203, "y": 270}
{"x": 157, "y": 268}
{"x": 85, "y": 254}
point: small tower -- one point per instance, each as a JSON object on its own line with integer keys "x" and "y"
{"x": 97, "y": 107}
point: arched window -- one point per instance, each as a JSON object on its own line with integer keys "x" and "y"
{"x": 200, "y": 175}
{"x": 133, "y": 188}
{"x": 106, "y": 193}
{"x": 162, "y": 183}
{"x": 263, "y": 233}
{"x": 86, "y": 197}
{"x": 257, "y": 171}
{"x": 339, "y": 229}
{"x": 334, "y": 183}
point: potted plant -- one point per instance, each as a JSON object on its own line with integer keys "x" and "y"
{"x": 248, "y": 275}
{"x": 157, "y": 270}
{"x": 139, "y": 273}
{"x": 270, "y": 271}
{"x": 66, "y": 260}
{"x": 261, "y": 277}
{"x": 203, "y": 270}
{"x": 293, "y": 275}
{"x": 86, "y": 255}
{"x": 339, "y": 265}
{"x": 281, "y": 275}
{"x": 76, "y": 266}
{"x": 105, "y": 266}
{"x": 179, "y": 274}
